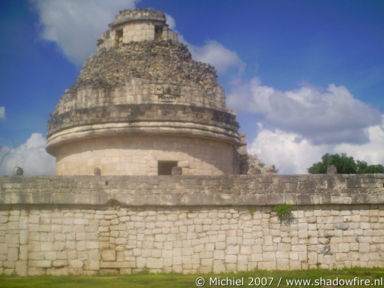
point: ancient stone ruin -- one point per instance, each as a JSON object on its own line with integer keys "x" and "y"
{"x": 142, "y": 106}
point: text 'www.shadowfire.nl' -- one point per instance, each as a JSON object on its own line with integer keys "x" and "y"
{"x": 285, "y": 282}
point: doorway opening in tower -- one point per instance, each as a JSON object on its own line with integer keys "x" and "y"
{"x": 158, "y": 32}
{"x": 165, "y": 167}
{"x": 119, "y": 36}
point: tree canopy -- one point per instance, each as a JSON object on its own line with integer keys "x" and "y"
{"x": 344, "y": 165}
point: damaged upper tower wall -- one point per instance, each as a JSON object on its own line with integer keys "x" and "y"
{"x": 141, "y": 106}
{"x": 137, "y": 25}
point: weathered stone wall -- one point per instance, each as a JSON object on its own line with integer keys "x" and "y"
{"x": 146, "y": 87}
{"x": 136, "y": 25}
{"x": 140, "y": 81}
{"x": 86, "y": 225}
{"x": 208, "y": 119}
{"x": 139, "y": 155}
{"x": 144, "y": 72}
{"x": 138, "y": 32}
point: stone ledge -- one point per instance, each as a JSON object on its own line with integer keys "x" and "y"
{"x": 172, "y": 191}
{"x": 142, "y": 112}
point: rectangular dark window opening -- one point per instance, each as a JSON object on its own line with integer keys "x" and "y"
{"x": 119, "y": 36}
{"x": 119, "y": 33}
{"x": 158, "y": 32}
{"x": 165, "y": 167}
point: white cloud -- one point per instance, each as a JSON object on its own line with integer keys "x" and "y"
{"x": 212, "y": 52}
{"x": 290, "y": 152}
{"x": 372, "y": 151}
{"x": 76, "y": 25}
{"x": 330, "y": 115}
{"x": 293, "y": 153}
{"x": 2, "y": 112}
{"x": 217, "y": 55}
{"x": 170, "y": 21}
{"x": 31, "y": 156}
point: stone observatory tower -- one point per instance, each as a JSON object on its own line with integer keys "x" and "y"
{"x": 142, "y": 106}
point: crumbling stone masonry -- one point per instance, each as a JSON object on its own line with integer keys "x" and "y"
{"x": 142, "y": 106}
{"x": 140, "y": 103}
{"x": 189, "y": 224}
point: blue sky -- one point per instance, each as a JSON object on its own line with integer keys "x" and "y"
{"x": 306, "y": 77}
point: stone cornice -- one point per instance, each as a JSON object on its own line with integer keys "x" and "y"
{"x": 174, "y": 191}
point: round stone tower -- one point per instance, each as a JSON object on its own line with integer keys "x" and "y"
{"x": 142, "y": 106}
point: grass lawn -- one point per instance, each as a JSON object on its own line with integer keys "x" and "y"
{"x": 148, "y": 280}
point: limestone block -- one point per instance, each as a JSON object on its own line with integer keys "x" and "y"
{"x": 268, "y": 240}
{"x": 41, "y": 263}
{"x": 230, "y": 258}
{"x": 280, "y": 255}
{"x": 270, "y": 265}
{"x": 218, "y": 267}
{"x": 108, "y": 255}
{"x": 59, "y": 263}
{"x": 12, "y": 239}
{"x": 3, "y": 248}
{"x": 50, "y": 255}
{"x": 242, "y": 262}
{"x": 269, "y": 256}
{"x": 80, "y": 236}
{"x": 299, "y": 248}
{"x": 58, "y": 245}
{"x": 13, "y": 254}
{"x": 206, "y": 254}
{"x": 23, "y": 236}
{"x": 3, "y": 219}
{"x": 35, "y": 271}
{"x": 92, "y": 244}
{"x": 155, "y": 263}
{"x": 187, "y": 251}
{"x": 141, "y": 262}
{"x": 233, "y": 249}
{"x": 21, "y": 268}
{"x": 76, "y": 263}
{"x": 72, "y": 254}
{"x": 245, "y": 250}
{"x": 80, "y": 221}
{"x": 81, "y": 245}
{"x": 341, "y": 256}
{"x": 364, "y": 247}
{"x": 46, "y": 246}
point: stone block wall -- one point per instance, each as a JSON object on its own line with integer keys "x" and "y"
{"x": 139, "y": 155}
{"x": 144, "y": 72}
{"x": 88, "y": 225}
{"x": 188, "y": 240}
{"x": 135, "y": 25}
{"x": 138, "y": 32}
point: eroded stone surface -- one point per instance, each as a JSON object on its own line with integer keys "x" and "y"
{"x": 142, "y": 81}
{"x": 190, "y": 240}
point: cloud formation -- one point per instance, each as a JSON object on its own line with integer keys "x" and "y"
{"x": 170, "y": 21}
{"x": 303, "y": 124}
{"x": 31, "y": 156}
{"x": 217, "y": 55}
{"x": 292, "y": 153}
{"x": 2, "y": 112}
{"x": 330, "y": 115}
{"x": 76, "y": 25}
{"x": 212, "y": 52}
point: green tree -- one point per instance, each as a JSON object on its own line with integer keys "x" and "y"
{"x": 344, "y": 165}
{"x": 364, "y": 168}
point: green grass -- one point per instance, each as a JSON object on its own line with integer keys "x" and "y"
{"x": 148, "y": 280}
